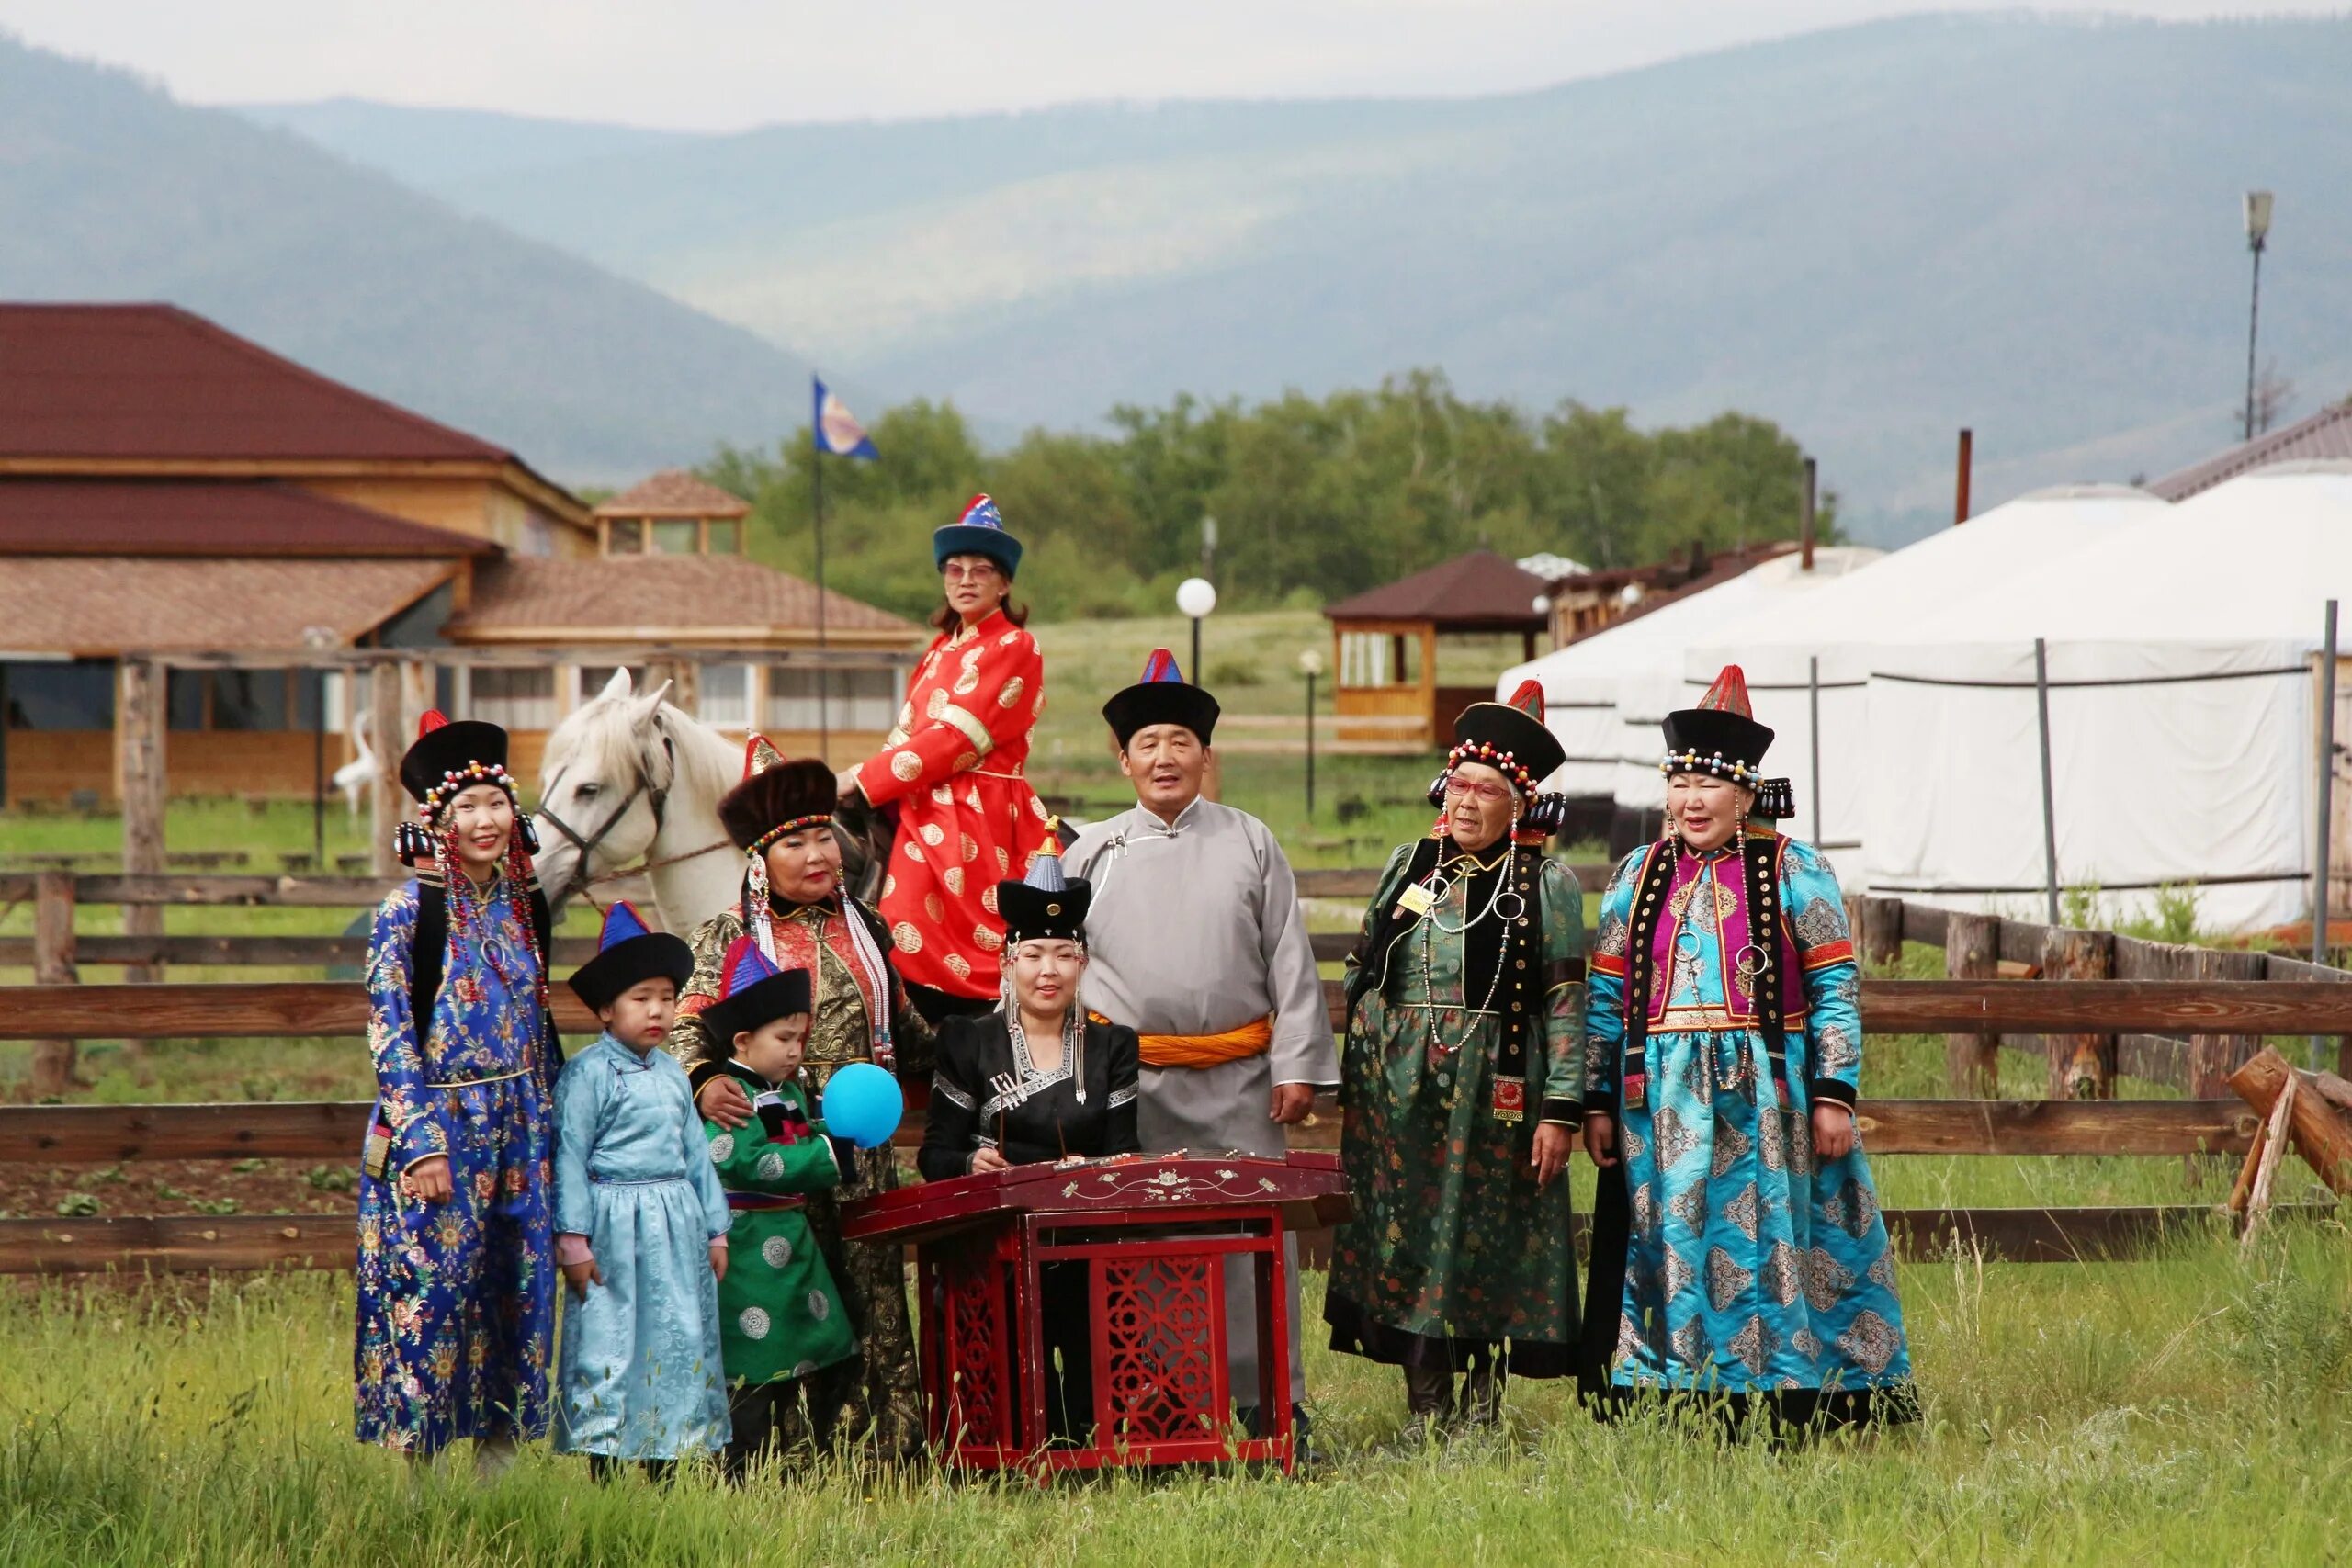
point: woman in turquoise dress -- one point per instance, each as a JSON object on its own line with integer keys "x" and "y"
{"x": 1465, "y": 1045}
{"x": 456, "y": 1286}
{"x": 1738, "y": 1256}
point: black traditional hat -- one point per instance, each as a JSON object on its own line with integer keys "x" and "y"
{"x": 1721, "y": 737}
{"x": 776, "y": 798}
{"x": 753, "y": 992}
{"x": 447, "y": 759}
{"x": 1511, "y": 738}
{"x": 1045, "y": 904}
{"x": 1162, "y": 696}
{"x": 626, "y": 953}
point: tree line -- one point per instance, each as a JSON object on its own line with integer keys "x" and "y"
{"x": 1314, "y": 498}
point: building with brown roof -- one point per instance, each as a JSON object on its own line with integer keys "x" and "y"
{"x": 2325, "y": 436}
{"x": 1384, "y": 645}
{"x": 171, "y": 492}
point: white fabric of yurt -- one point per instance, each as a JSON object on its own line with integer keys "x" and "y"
{"x": 1849, "y": 620}
{"x": 1582, "y": 682}
{"x": 2169, "y": 783}
{"x": 2181, "y": 780}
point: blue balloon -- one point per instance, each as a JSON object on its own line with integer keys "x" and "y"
{"x": 862, "y": 1103}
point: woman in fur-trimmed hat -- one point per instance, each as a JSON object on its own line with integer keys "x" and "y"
{"x": 796, "y": 912}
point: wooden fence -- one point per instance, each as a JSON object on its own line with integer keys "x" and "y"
{"x": 332, "y": 1131}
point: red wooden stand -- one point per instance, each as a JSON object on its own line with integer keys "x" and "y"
{"x": 1153, "y": 1234}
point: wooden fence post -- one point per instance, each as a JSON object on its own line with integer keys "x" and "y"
{"x": 1882, "y": 931}
{"x": 385, "y": 799}
{"x": 140, "y": 719}
{"x": 2214, "y": 1057}
{"x": 53, "y": 966}
{"x": 1972, "y": 952}
{"x": 2082, "y": 1066}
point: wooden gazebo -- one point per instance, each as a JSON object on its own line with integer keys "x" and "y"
{"x": 1385, "y": 644}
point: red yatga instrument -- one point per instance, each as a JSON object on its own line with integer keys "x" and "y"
{"x": 1153, "y": 1232}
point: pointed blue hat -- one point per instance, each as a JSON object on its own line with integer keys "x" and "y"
{"x": 979, "y": 532}
{"x": 628, "y": 952}
{"x": 1162, "y": 696}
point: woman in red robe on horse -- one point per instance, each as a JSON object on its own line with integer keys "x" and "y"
{"x": 954, "y": 769}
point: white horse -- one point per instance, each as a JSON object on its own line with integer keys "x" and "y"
{"x": 631, "y": 783}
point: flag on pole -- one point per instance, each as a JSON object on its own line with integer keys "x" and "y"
{"x": 836, "y": 429}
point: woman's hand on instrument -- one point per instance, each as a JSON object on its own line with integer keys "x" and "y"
{"x": 1553, "y": 1142}
{"x": 722, "y": 1101}
{"x": 428, "y": 1179}
{"x": 1600, "y": 1137}
{"x": 1833, "y": 1130}
{"x": 582, "y": 1275}
{"x": 989, "y": 1160}
{"x": 718, "y": 1258}
{"x": 1291, "y": 1103}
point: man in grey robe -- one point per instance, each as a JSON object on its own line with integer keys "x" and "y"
{"x": 1195, "y": 931}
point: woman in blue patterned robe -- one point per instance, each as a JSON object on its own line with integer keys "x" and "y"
{"x": 1739, "y": 1254}
{"x": 455, "y": 1275}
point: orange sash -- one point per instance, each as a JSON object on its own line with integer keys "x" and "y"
{"x": 1197, "y": 1051}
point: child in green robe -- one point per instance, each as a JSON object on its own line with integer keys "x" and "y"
{"x": 782, "y": 1322}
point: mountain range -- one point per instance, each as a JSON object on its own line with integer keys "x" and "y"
{"x": 1874, "y": 235}
{"x": 110, "y": 190}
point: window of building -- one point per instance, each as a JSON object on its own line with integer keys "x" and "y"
{"x": 725, "y": 536}
{"x": 727, "y": 696}
{"x": 593, "y": 678}
{"x": 58, "y": 696}
{"x": 249, "y": 700}
{"x": 624, "y": 536}
{"x": 515, "y": 699}
{"x": 677, "y": 536}
{"x": 854, "y": 699}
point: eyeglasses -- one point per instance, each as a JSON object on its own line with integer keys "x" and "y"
{"x": 971, "y": 572}
{"x": 1491, "y": 795}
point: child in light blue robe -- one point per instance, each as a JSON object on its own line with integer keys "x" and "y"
{"x": 641, "y": 1222}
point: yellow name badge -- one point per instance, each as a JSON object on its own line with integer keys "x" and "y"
{"x": 1417, "y": 900}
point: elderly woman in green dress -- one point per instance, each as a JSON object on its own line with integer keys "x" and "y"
{"x": 1460, "y": 1078}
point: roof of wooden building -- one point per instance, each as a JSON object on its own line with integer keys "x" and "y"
{"x": 674, "y": 492}
{"x": 2325, "y": 436}
{"x": 98, "y": 606}
{"x": 208, "y": 517}
{"x": 653, "y": 597}
{"x": 1479, "y": 592}
{"x": 154, "y": 381}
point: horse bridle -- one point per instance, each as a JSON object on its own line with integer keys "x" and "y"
{"x": 579, "y": 882}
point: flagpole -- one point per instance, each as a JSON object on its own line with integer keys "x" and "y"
{"x": 817, "y": 513}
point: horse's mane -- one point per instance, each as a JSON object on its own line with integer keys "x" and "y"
{"x": 598, "y": 739}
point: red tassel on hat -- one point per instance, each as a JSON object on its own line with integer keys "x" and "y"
{"x": 434, "y": 720}
{"x": 1729, "y": 693}
{"x": 759, "y": 756}
{"x": 1529, "y": 699}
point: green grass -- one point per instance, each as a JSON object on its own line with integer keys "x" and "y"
{"x": 2190, "y": 1409}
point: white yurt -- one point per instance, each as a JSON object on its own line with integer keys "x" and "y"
{"x": 1584, "y": 682}
{"x": 2180, "y": 657}
{"x": 1844, "y": 626}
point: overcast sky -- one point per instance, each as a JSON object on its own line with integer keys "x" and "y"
{"x": 723, "y": 64}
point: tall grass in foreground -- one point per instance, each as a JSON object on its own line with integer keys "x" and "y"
{"x": 2188, "y": 1409}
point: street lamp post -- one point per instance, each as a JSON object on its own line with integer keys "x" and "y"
{"x": 1310, "y": 664}
{"x": 1195, "y": 597}
{"x": 2257, "y": 234}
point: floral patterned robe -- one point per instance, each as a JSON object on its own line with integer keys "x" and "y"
{"x": 1451, "y": 1248}
{"x": 967, "y": 815}
{"x": 457, "y": 1299}
{"x": 885, "y": 1393}
{"x": 1749, "y": 1268}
